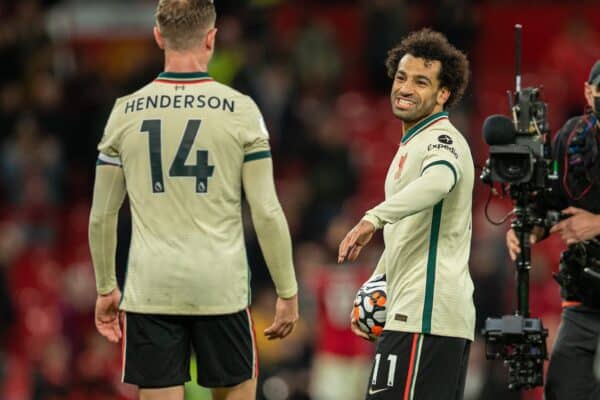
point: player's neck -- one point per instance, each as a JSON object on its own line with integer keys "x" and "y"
{"x": 408, "y": 125}
{"x": 186, "y": 61}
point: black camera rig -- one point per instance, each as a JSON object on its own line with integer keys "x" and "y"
{"x": 520, "y": 161}
{"x": 579, "y": 273}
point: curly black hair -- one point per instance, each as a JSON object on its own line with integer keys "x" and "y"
{"x": 432, "y": 45}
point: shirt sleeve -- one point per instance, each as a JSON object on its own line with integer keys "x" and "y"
{"x": 424, "y": 192}
{"x": 109, "y": 193}
{"x": 442, "y": 150}
{"x": 270, "y": 225}
{"x": 255, "y": 136}
{"x": 110, "y": 143}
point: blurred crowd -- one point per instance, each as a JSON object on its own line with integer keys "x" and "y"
{"x": 316, "y": 70}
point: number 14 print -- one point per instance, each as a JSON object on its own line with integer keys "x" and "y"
{"x": 201, "y": 170}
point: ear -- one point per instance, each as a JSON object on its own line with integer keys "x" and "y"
{"x": 589, "y": 96}
{"x": 211, "y": 36}
{"x": 160, "y": 41}
{"x": 443, "y": 96}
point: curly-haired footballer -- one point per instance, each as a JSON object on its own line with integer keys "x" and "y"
{"x": 426, "y": 221}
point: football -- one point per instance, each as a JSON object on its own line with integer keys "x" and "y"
{"x": 369, "y": 305}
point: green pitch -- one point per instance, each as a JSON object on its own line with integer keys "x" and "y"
{"x": 192, "y": 390}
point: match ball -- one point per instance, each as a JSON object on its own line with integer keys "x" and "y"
{"x": 369, "y": 306}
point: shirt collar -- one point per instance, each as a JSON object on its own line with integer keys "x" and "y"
{"x": 423, "y": 124}
{"x": 173, "y": 76}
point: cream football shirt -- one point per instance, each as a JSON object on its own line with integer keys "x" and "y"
{"x": 426, "y": 219}
{"x": 182, "y": 141}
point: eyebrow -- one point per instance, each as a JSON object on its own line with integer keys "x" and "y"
{"x": 415, "y": 77}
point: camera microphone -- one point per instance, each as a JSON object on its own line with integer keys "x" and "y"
{"x": 498, "y": 130}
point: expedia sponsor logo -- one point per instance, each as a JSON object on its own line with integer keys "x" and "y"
{"x": 444, "y": 147}
{"x": 445, "y": 139}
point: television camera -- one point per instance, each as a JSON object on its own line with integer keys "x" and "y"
{"x": 520, "y": 162}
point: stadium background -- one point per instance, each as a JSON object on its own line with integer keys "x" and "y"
{"x": 316, "y": 70}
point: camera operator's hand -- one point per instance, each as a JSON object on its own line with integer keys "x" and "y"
{"x": 581, "y": 225}
{"x": 513, "y": 244}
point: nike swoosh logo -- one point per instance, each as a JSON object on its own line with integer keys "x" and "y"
{"x": 371, "y": 391}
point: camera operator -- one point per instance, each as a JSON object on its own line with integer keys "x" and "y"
{"x": 576, "y": 149}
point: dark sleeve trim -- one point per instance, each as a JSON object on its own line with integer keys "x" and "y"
{"x": 446, "y": 163}
{"x": 257, "y": 156}
{"x": 101, "y": 162}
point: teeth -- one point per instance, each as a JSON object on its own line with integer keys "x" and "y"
{"x": 405, "y": 102}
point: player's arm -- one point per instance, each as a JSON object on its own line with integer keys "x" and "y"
{"x": 270, "y": 225}
{"x": 275, "y": 242}
{"x": 424, "y": 192}
{"x": 268, "y": 218}
{"x": 441, "y": 171}
{"x": 436, "y": 181}
{"x": 109, "y": 193}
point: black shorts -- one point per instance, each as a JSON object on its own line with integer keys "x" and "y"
{"x": 413, "y": 366}
{"x": 157, "y": 349}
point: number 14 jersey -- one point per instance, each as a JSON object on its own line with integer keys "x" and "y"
{"x": 182, "y": 141}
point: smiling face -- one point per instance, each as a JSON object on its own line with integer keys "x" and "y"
{"x": 416, "y": 92}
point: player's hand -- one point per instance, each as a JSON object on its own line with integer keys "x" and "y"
{"x": 513, "y": 244}
{"x": 356, "y": 330}
{"x": 108, "y": 315}
{"x": 355, "y": 240}
{"x": 286, "y": 316}
{"x": 581, "y": 225}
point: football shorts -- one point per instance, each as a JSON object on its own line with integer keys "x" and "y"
{"x": 157, "y": 349}
{"x": 414, "y": 366}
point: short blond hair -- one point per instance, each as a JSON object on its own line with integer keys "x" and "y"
{"x": 183, "y": 22}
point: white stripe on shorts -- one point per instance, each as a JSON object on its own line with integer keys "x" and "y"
{"x": 254, "y": 350}
{"x": 123, "y": 347}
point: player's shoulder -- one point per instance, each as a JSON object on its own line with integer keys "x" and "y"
{"x": 447, "y": 126}
{"x": 231, "y": 92}
{"x": 117, "y": 113}
{"x": 245, "y": 104}
{"x": 446, "y": 133}
{"x": 122, "y": 100}
{"x": 445, "y": 137}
